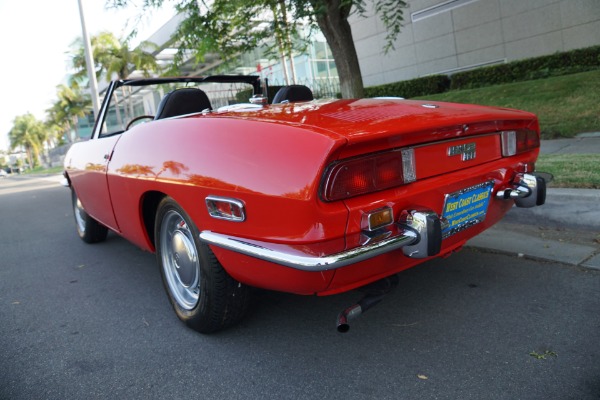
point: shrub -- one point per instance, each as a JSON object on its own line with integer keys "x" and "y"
{"x": 569, "y": 62}
{"x": 564, "y": 63}
{"x": 411, "y": 88}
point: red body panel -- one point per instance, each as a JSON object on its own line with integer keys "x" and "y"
{"x": 88, "y": 167}
{"x": 274, "y": 170}
{"x": 273, "y": 160}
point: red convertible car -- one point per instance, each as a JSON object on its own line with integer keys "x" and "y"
{"x": 302, "y": 196}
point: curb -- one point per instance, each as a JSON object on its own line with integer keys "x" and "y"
{"x": 577, "y": 209}
{"x": 564, "y": 208}
{"x": 499, "y": 240}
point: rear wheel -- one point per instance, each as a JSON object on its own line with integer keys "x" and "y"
{"x": 88, "y": 229}
{"x": 201, "y": 292}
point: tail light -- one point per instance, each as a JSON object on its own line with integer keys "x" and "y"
{"x": 517, "y": 142}
{"x": 356, "y": 176}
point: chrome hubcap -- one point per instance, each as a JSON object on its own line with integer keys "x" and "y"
{"x": 180, "y": 260}
{"x": 79, "y": 215}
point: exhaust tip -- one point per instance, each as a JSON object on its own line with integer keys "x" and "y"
{"x": 345, "y": 316}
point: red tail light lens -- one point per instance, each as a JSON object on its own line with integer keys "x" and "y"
{"x": 517, "y": 142}
{"x": 363, "y": 175}
{"x": 527, "y": 140}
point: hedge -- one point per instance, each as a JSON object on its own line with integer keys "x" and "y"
{"x": 569, "y": 62}
{"x": 564, "y": 63}
{"x": 411, "y": 88}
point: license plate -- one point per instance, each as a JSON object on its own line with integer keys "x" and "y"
{"x": 466, "y": 208}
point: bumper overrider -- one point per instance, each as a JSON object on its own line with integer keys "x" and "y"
{"x": 418, "y": 233}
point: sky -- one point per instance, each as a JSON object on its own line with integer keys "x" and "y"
{"x": 34, "y": 39}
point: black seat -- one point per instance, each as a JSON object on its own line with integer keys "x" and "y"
{"x": 181, "y": 102}
{"x": 292, "y": 93}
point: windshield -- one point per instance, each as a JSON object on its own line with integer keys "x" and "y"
{"x": 133, "y": 103}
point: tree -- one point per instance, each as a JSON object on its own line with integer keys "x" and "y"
{"x": 232, "y": 26}
{"x": 114, "y": 57}
{"x": 28, "y": 132}
{"x": 71, "y": 104}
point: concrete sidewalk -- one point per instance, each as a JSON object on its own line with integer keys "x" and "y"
{"x": 566, "y": 229}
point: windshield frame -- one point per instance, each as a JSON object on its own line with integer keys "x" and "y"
{"x": 253, "y": 80}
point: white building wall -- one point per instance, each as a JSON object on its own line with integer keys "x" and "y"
{"x": 442, "y": 36}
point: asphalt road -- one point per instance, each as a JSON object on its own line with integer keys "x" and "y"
{"x": 84, "y": 321}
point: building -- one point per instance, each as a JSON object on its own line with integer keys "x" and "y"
{"x": 314, "y": 68}
{"x": 446, "y": 36}
{"x": 439, "y": 37}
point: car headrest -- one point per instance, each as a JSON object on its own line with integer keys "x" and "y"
{"x": 181, "y": 102}
{"x": 293, "y": 93}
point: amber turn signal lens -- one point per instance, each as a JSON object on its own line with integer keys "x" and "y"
{"x": 376, "y": 219}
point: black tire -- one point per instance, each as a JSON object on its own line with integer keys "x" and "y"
{"x": 88, "y": 229}
{"x": 201, "y": 292}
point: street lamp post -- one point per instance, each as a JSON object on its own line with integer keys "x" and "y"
{"x": 89, "y": 61}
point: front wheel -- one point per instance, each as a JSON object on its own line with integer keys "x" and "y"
{"x": 88, "y": 229}
{"x": 201, "y": 292}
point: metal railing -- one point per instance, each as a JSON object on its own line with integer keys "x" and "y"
{"x": 322, "y": 88}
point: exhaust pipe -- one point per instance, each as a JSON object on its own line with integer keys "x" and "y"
{"x": 375, "y": 292}
{"x": 355, "y": 311}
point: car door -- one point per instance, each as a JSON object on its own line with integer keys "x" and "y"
{"x": 87, "y": 166}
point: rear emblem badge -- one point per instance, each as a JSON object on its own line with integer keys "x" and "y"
{"x": 467, "y": 151}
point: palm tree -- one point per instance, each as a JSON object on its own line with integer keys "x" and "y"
{"x": 114, "y": 58}
{"x": 28, "y": 132}
{"x": 56, "y": 133}
{"x": 121, "y": 61}
{"x": 71, "y": 103}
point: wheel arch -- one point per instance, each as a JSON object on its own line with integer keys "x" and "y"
{"x": 66, "y": 180}
{"x": 149, "y": 208}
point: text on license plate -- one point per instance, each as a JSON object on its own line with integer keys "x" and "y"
{"x": 465, "y": 208}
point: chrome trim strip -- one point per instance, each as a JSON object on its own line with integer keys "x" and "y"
{"x": 103, "y": 110}
{"x": 293, "y": 258}
{"x": 456, "y": 139}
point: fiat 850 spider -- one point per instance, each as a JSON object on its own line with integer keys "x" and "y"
{"x": 313, "y": 197}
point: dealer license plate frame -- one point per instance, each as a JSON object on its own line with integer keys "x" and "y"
{"x": 466, "y": 208}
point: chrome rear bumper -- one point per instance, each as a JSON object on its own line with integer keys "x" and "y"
{"x": 526, "y": 190}
{"x": 418, "y": 233}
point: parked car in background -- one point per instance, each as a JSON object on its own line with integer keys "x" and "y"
{"x": 3, "y": 173}
{"x": 314, "y": 197}
{"x": 15, "y": 170}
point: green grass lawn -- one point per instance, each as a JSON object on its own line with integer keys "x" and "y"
{"x": 43, "y": 170}
{"x": 572, "y": 170}
{"x": 565, "y": 105}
